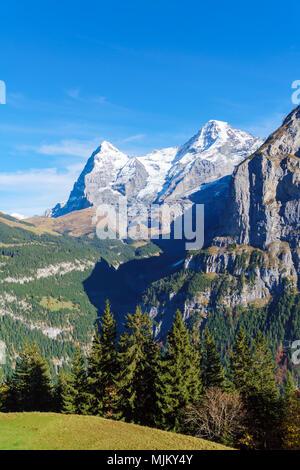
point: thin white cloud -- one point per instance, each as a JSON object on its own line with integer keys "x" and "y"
{"x": 74, "y": 148}
{"x": 17, "y": 100}
{"x": 76, "y": 94}
{"x": 265, "y": 126}
{"x": 32, "y": 192}
{"x": 100, "y": 100}
{"x": 36, "y": 180}
{"x": 69, "y": 147}
{"x": 73, "y": 93}
{"x": 134, "y": 138}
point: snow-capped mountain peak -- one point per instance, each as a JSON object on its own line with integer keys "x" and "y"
{"x": 215, "y": 140}
{"x": 211, "y": 153}
{"x": 174, "y": 172}
{"x": 108, "y": 152}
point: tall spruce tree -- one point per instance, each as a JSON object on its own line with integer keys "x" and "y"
{"x": 2, "y": 390}
{"x": 262, "y": 397}
{"x": 63, "y": 381}
{"x": 195, "y": 338}
{"x": 76, "y": 399}
{"x": 213, "y": 374}
{"x": 137, "y": 369}
{"x": 30, "y": 384}
{"x": 9, "y": 401}
{"x": 178, "y": 383}
{"x": 289, "y": 389}
{"x": 290, "y": 428}
{"x": 103, "y": 366}
{"x": 241, "y": 363}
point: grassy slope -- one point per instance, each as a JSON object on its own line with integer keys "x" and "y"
{"x": 50, "y": 431}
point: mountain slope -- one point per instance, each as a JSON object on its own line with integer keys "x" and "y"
{"x": 41, "y": 291}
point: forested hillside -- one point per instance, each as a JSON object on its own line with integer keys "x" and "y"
{"x": 204, "y": 299}
{"x": 42, "y": 286}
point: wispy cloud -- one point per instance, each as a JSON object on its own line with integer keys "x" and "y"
{"x": 77, "y": 95}
{"x": 31, "y": 192}
{"x": 134, "y": 138}
{"x": 74, "y": 148}
{"x": 263, "y": 127}
{"x": 17, "y": 100}
{"x": 73, "y": 93}
{"x": 37, "y": 179}
{"x": 69, "y": 147}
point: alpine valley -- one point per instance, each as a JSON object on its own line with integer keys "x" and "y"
{"x": 55, "y": 274}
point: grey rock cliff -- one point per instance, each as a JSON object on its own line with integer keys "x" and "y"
{"x": 264, "y": 195}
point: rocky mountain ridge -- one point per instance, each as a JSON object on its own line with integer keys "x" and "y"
{"x": 163, "y": 175}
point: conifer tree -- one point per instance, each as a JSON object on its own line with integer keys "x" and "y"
{"x": 213, "y": 374}
{"x": 103, "y": 365}
{"x": 289, "y": 389}
{"x": 241, "y": 362}
{"x": 178, "y": 382}
{"x": 290, "y": 432}
{"x": 30, "y": 384}
{"x": 195, "y": 339}
{"x": 137, "y": 365}
{"x": 63, "y": 381}
{"x": 262, "y": 396}
{"x": 8, "y": 396}
{"x": 2, "y": 390}
{"x": 76, "y": 399}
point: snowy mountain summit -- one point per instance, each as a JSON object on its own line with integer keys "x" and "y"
{"x": 172, "y": 173}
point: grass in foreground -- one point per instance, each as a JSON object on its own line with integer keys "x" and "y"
{"x": 50, "y": 431}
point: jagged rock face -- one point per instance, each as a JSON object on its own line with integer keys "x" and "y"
{"x": 94, "y": 184}
{"x": 169, "y": 174}
{"x": 209, "y": 155}
{"x": 245, "y": 275}
{"x": 201, "y": 172}
{"x": 269, "y": 267}
{"x": 264, "y": 200}
{"x": 132, "y": 178}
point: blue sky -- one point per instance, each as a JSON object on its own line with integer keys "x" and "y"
{"x": 141, "y": 74}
